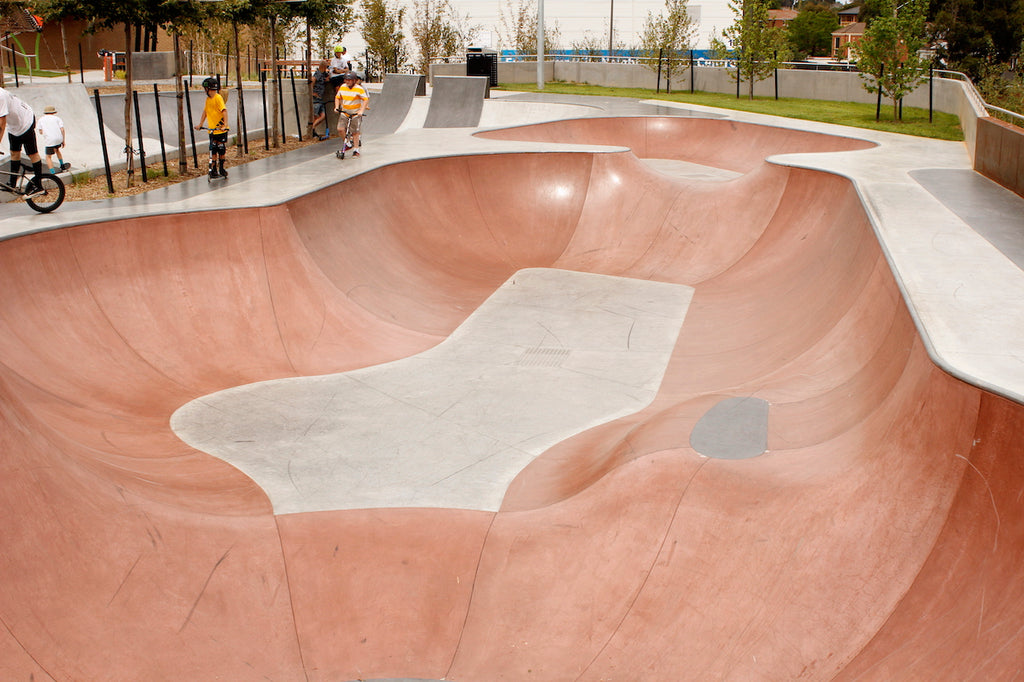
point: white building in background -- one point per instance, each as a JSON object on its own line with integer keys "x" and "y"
{"x": 579, "y": 19}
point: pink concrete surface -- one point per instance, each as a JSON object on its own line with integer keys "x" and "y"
{"x": 879, "y": 538}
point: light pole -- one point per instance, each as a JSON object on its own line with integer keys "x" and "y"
{"x": 611, "y": 27}
{"x": 540, "y": 44}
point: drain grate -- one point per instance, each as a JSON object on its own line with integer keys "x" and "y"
{"x": 543, "y": 357}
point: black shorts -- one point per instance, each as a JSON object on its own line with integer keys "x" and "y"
{"x": 50, "y": 151}
{"x": 218, "y": 143}
{"x": 26, "y": 141}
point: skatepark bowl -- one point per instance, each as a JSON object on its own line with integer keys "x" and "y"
{"x": 783, "y": 486}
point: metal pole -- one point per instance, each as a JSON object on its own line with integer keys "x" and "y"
{"x": 245, "y": 133}
{"x": 878, "y": 104}
{"x": 160, "y": 128}
{"x": 660, "y": 52}
{"x": 931, "y": 88}
{"x": 280, "y": 101}
{"x": 81, "y": 64}
{"x": 611, "y": 28}
{"x": 103, "y": 139}
{"x": 138, "y": 130}
{"x": 776, "y": 74}
{"x": 295, "y": 101}
{"x": 266, "y": 124}
{"x": 691, "y": 72}
{"x": 191, "y": 129}
{"x": 540, "y": 44}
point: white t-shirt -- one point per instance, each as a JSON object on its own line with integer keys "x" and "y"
{"x": 342, "y": 63}
{"x": 50, "y": 127}
{"x": 19, "y": 115}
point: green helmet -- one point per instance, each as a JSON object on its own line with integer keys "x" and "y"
{"x": 339, "y": 48}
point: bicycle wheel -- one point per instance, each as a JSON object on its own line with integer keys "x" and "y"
{"x": 52, "y": 196}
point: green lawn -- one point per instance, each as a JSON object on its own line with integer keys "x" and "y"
{"x": 915, "y": 121}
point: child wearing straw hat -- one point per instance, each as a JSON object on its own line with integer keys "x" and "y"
{"x": 51, "y": 129}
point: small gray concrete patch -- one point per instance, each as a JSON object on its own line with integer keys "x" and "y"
{"x": 550, "y": 354}
{"x": 993, "y": 211}
{"x": 735, "y": 428}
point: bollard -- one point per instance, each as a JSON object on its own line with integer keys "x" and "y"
{"x": 160, "y": 128}
{"x": 138, "y": 129}
{"x": 103, "y": 142}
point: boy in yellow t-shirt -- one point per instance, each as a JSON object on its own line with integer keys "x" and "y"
{"x": 215, "y": 115}
{"x": 350, "y": 102}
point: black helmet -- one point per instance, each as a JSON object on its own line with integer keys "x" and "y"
{"x": 211, "y": 84}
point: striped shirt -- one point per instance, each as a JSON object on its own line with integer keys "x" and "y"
{"x": 350, "y": 99}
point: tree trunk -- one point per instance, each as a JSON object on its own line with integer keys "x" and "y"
{"x": 64, "y": 47}
{"x": 179, "y": 93}
{"x": 275, "y": 105}
{"x": 130, "y": 167}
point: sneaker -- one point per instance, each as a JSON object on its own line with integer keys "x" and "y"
{"x": 355, "y": 153}
{"x": 65, "y": 166}
{"x": 33, "y": 190}
{"x": 223, "y": 172}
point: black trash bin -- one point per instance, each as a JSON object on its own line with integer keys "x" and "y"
{"x": 483, "y": 62}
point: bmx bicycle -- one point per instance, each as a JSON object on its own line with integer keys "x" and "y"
{"x": 346, "y": 142}
{"x": 48, "y": 198}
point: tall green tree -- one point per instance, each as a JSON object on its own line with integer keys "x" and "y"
{"x": 975, "y": 36}
{"x": 809, "y": 34}
{"x": 888, "y": 55}
{"x": 381, "y": 27}
{"x": 667, "y": 34}
{"x": 124, "y": 15}
{"x": 756, "y": 46}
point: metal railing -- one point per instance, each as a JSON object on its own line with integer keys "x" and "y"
{"x": 972, "y": 92}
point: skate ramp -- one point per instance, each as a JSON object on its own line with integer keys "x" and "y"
{"x": 456, "y": 101}
{"x": 390, "y": 108}
{"x": 878, "y": 536}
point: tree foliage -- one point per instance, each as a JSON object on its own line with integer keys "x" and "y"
{"x": 973, "y": 36}
{"x": 519, "y": 28}
{"x": 438, "y": 32}
{"x": 809, "y": 34}
{"x": 888, "y": 54}
{"x": 667, "y": 34}
{"x": 381, "y": 27}
{"x": 756, "y": 46}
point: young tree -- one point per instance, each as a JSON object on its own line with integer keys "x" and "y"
{"x": 519, "y": 28}
{"x": 438, "y": 31}
{"x": 667, "y": 34}
{"x": 758, "y": 47}
{"x": 381, "y": 26}
{"x": 809, "y": 34}
{"x": 124, "y": 14}
{"x": 888, "y": 54}
{"x": 588, "y": 47}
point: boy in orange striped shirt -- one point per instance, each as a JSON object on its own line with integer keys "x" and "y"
{"x": 350, "y": 102}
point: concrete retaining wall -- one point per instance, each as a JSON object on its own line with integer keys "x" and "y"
{"x": 1000, "y": 153}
